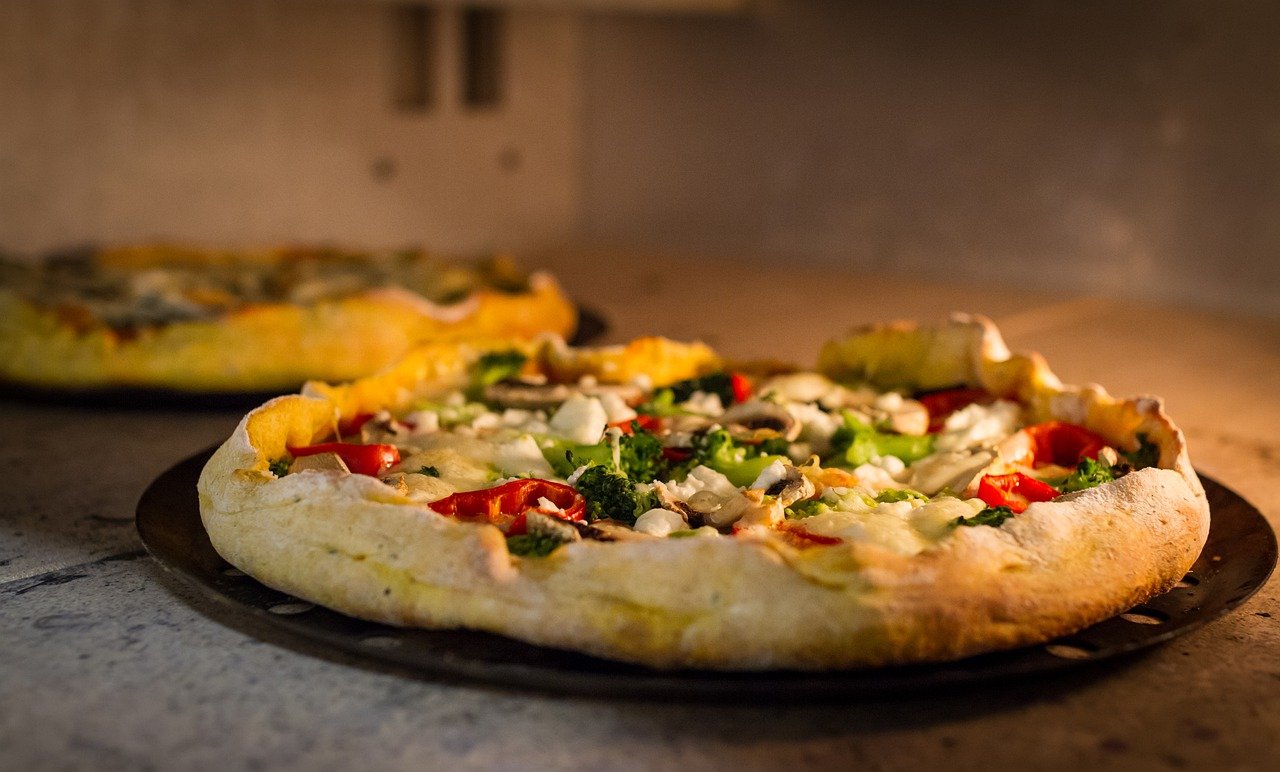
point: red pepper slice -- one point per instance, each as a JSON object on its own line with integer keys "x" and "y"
{"x": 677, "y": 454}
{"x": 802, "y": 538}
{"x": 1061, "y": 443}
{"x": 506, "y": 505}
{"x": 648, "y": 423}
{"x": 1015, "y": 491}
{"x": 941, "y": 404}
{"x": 361, "y": 459}
{"x": 741, "y": 387}
{"x": 353, "y": 424}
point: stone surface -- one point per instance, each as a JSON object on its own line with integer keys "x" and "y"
{"x": 110, "y": 664}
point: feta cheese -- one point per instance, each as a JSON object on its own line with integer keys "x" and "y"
{"x": 580, "y": 419}
{"x": 660, "y": 522}
{"x": 978, "y": 425}
{"x": 616, "y": 409}
{"x": 521, "y": 456}
{"x": 703, "y": 403}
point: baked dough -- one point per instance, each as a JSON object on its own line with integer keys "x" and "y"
{"x": 208, "y": 338}
{"x": 352, "y": 543}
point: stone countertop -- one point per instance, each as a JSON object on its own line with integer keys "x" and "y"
{"x": 110, "y": 664}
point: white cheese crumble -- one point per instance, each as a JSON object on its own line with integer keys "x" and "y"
{"x": 580, "y": 419}
{"x": 978, "y": 425}
{"x": 660, "y": 522}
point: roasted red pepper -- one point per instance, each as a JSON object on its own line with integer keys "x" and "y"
{"x": 354, "y": 424}
{"x": 941, "y": 404}
{"x": 741, "y": 387}
{"x": 506, "y": 505}
{"x": 677, "y": 454}
{"x": 1061, "y": 443}
{"x": 1015, "y": 491}
{"x": 361, "y": 459}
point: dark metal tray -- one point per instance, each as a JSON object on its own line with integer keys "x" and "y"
{"x": 592, "y": 325}
{"x": 1236, "y": 561}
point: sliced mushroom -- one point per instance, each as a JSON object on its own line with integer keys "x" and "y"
{"x": 562, "y": 531}
{"x": 786, "y": 483}
{"x": 534, "y": 395}
{"x": 382, "y": 428}
{"x": 749, "y": 420}
{"x": 911, "y": 417}
{"x": 609, "y": 530}
{"x": 320, "y": 462}
{"x": 669, "y": 502}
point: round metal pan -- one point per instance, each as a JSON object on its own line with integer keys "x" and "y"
{"x": 1237, "y": 559}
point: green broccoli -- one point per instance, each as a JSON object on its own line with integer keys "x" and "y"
{"x": 992, "y": 516}
{"x": 279, "y": 467}
{"x": 741, "y": 464}
{"x": 720, "y": 384}
{"x": 533, "y": 545}
{"x": 855, "y": 443}
{"x": 806, "y": 508}
{"x": 1087, "y": 474}
{"x": 900, "y": 494}
{"x": 1147, "y": 453}
{"x": 611, "y": 495}
{"x": 639, "y": 456}
{"x": 494, "y": 367}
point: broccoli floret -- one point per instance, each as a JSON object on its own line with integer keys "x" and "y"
{"x": 720, "y": 384}
{"x": 1147, "y": 453}
{"x": 611, "y": 495}
{"x": 806, "y": 508}
{"x": 640, "y": 455}
{"x": 494, "y": 367}
{"x": 992, "y": 516}
{"x": 1087, "y": 474}
{"x": 774, "y": 446}
{"x": 900, "y": 494}
{"x": 279, "y": 467}
{"x": 741, "y": 464}
{"x": 533, "y": 545}
{"x": 855, "y": 443}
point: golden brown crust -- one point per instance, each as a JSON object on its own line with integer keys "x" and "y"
{"x": 352, "y": 543}
{"x": 265, "y": 346}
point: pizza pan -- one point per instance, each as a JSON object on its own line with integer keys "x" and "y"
{"x": 1237, "y": 559}
{"x": 592, "y": 325}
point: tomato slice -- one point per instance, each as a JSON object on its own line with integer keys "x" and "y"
{"x": 507, "y": 505}
{"x": 941, "y": 404}
{"x": 361, "y": 459}
{"x": 741, "y": 387}
{"x": 1016, "y": 491}
{"x": 1062, "y": 443}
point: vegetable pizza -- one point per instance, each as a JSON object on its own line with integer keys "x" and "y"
{"x": 920, "y": 494}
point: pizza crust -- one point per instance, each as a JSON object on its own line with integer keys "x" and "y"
{"x": 351, "y": 543}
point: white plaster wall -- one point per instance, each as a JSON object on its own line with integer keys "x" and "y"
{"x": 248, "y": 121}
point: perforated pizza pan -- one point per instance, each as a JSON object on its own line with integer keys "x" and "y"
{"x": 1237, "y": 559}
{"x": 592, "y": 325}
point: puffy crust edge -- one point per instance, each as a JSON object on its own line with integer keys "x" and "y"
{"x": 352, "y": 544}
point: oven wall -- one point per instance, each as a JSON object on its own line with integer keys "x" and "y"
{"x": 1130, "y": 149}
{"x": 247, "y": 121}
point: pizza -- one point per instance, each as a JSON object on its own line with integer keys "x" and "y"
{"x": 921, "y": 494}
{"x": 209, "y": 321}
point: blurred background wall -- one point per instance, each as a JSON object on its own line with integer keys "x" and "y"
{"x": 1091, "y": 147}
